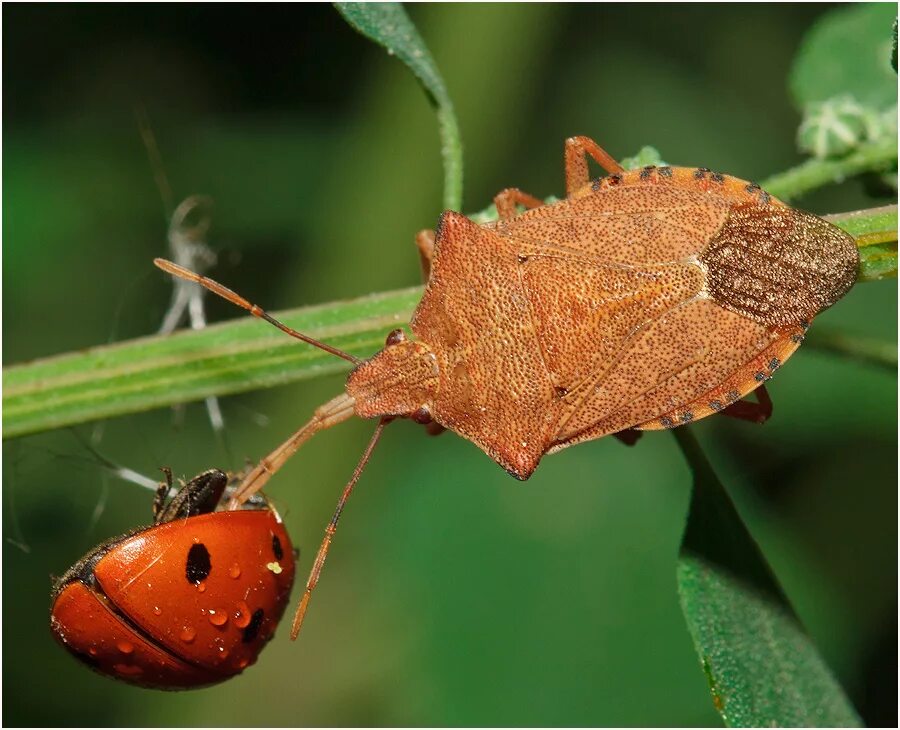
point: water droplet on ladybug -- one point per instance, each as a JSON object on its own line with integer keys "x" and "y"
{"x": 188, "y": 634}
{"x": 92, "y": 651}
{"x": 126, "y": 647}
{"x": 242, "y": 615}
{"x": 128, "y": 669}
{"x": 235, "y": 571}
{"x": 218, "y": 618}
{"x": 157, "y": 611}
{"x": 201, "y": 587}
{"x": 242, "y": 664}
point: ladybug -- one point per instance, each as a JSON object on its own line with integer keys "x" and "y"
{"x": 187, "y": 602}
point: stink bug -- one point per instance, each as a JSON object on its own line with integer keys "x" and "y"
{"x": 187, "y": 602}
{"x": 644, "y": 300}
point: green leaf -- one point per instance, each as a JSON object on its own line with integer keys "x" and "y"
{"x": 232, "y": 357}
{"x": 762, "y": 668}
{"x": 388, "y": 25}
{"x": 848, "y": 52}
{"x": 647, "y": 155}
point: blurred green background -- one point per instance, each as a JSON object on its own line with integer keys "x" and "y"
{"x": 454, "y": 595}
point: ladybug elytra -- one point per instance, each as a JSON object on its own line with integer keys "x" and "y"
{"x": 187, "y": 602}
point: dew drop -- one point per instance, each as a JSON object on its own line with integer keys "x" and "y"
{"x": 242, "y": 664}
{"x": 235, "y": 571}
{"x": 92, "y": 651}
{"x": 217, "y": 618}
{"x": 188, "y": 634}
{"x": 126, "y": 647}
{"x": 242, "y": 615}
{"x": 128, "y": 669}
{"x": 157, "y": 611}
{"x": 201, "y": 587}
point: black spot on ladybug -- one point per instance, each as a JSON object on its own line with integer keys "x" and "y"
{"x": 595, "y": 185}
{"x": 198, "y": 564}
{"x": 252, "y": 629}
{"x": 276, "y": 547}
{"x": 646, "y": 172}
{"x": 666, "y": 422}
{"x": 774, "y": 363}
{"x": 717, "y": 177}
{"x": 760, "y": 377}
{"x": 716, "y": 405}
{"x": 665, "y": 171}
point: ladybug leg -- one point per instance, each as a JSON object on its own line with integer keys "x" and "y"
{"x": 425, "y": 244}
{"x": 577, "y": 150}
{"x": 746, "y": 410}
{"x": 162, "y": 491}
{"x": 629, "y": 436}
{"x": 507, "y": 200}
{"x": 331, "y": 529}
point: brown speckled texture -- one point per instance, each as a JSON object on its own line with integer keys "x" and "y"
{"x": 647, "y": 299}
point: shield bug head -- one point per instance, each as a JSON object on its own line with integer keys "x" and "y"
{"x": 644, "y": 300}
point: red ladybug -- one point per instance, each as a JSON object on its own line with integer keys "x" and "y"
{"x": 187, "y": 602}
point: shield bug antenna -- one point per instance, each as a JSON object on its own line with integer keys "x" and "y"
{"x": 335, "y": 411}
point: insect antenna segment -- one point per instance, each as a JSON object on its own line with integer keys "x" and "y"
{"x": 257, "y": 311}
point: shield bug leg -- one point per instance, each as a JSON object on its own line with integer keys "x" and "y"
{"x": 425, "y": 244}
{"x": 332, "y": 528}
{"x": 746, "y": 410}
{"x": 577, "y": 151}
{"x": 507, "y": 200}
{"x": 629, "y": 436}
{"x": 330, "y": 414}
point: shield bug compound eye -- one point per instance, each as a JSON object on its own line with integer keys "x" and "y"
{"x": 644, "y": 300}
{"x": 188, "y": 602}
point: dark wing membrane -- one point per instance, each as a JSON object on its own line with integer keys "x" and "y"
{"x": 779, "y": 266}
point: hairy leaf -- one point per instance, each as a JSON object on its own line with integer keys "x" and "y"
{"x": 762, "y": 668}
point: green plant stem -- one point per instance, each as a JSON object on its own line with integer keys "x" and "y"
{"x": 244, "y": 355}
{"x": 388, "y": 25}
{"x": 189, "y": 365}
{"x": 880, "y": 156}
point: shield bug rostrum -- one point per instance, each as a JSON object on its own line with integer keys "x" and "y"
{"x": 187, "y": 602}
{"x": 644, "y": 300}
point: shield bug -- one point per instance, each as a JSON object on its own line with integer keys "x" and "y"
{"x": 644, "y": 300}
{"x": 187, "y": 602}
